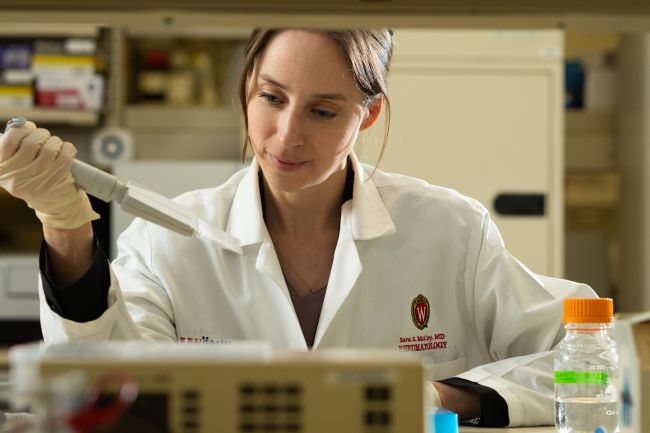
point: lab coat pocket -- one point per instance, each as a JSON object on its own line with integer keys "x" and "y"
{"x": 444, "y": 370}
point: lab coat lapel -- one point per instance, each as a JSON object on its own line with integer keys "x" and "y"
{"x": 363, "y": 218}
{"x": 346, "y": 268}
{"x": 285, "y": 319}
{"x": 369, "y": 218}
{"x": 268, "y": 264}
{"x": 246, "y": 221}
{"x": 278, "y": 320}
{"x": 279, "y": 323}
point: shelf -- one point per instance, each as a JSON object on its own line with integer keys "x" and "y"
{"x": 590, "y": 140}
{"x": 580, "y": 121}
{"x": 151, "y": 116}
{"x": 48, "y": 30}
{"x": 41, "y": 115}
{"x": 159, "y": 29}
{"x": 592, "y": 190}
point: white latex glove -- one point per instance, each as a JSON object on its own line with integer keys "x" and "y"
{"x": 431, "y": 396}
{"x": 36, "y": 167}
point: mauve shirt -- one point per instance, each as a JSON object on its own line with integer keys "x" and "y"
{"x": 308, "y": 310}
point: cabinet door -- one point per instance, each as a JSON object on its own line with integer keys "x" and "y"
{"x": 484, "y": 130}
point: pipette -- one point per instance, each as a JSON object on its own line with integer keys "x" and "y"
{"x": 142, "y": 202}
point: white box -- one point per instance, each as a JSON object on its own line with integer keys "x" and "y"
{"x": 632, "y": 335}
{"x": 76, "y": 93}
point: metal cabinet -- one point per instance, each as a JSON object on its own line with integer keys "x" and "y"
{"x": 482, "y": 112}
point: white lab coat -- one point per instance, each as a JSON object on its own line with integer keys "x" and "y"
{"x": 399, "y": 237}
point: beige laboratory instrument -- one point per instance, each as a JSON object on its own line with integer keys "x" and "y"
{"x": 236, "y": 388}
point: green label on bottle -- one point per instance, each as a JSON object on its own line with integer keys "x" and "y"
{"x": 581, "y": 377}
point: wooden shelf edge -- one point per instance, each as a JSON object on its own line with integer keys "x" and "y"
{"x": 40, "y": 115}
{"x": 596, "y": 190}
{"x": 580, "y": 121}
{"x": 48, "y": 29}
{"x": 205, "y": 117}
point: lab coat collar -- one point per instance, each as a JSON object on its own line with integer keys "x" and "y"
{"x": 369, "y": 219}
{"x": 246, "y": 221}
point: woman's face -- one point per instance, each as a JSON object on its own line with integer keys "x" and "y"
{"x": 304, "y": 110}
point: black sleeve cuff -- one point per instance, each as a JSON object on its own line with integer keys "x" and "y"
{"x": 84, "y": 300}
{"x": 494, "y": 409}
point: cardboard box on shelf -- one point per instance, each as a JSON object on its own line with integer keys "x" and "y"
{"x": 15, "y": 56}
{"x": 52, "y": 65}
{"x": 16, "y": 96}
{"x": 70, "y": 92}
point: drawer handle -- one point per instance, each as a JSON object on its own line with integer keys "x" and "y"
{"x": 508, "y": 204}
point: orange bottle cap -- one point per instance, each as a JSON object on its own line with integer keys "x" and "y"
{"x": 588, "y": 310}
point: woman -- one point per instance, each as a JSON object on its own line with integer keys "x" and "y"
{"x": 335, "y": 253}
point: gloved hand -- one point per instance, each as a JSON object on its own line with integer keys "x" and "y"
{"x": 431, "y": 396}
{"x": 36, "y": 167}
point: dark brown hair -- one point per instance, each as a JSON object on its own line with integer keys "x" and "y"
{"x": 367, "y": 50}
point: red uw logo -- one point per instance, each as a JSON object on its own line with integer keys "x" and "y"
{"x": 420, "y": 311}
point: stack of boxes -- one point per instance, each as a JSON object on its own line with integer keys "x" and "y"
{"x": 16, "y": 90}
{"x": 57, "y": 73}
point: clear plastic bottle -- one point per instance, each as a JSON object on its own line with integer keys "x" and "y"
{"x": 586, "y": 369}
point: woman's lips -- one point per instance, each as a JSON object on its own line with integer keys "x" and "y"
{"x": 286, "y": 165}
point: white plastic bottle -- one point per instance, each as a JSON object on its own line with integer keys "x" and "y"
{"x": 586, "y": 369}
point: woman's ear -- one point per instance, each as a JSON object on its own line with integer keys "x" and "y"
{"x": 374, "y": 110}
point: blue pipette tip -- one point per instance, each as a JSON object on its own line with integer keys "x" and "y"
{"x": 442, "y": 421}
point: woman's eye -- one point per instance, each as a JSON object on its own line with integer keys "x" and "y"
{"x": 271, "y": 99}
{"x": 324, "y": 114}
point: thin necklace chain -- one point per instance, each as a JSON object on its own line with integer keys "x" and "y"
{"x": 347, "y": 194}
{"x": 292, "y": 269}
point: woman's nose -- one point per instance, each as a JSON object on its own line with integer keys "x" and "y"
{"x": 290, "y": 129}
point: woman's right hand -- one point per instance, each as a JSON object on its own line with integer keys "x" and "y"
{"x": 36, "y": 167}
